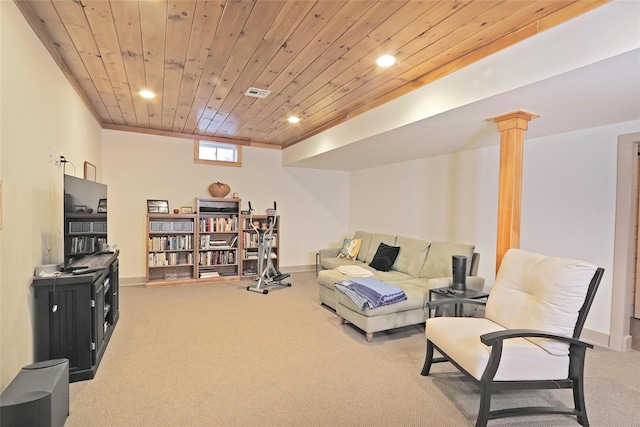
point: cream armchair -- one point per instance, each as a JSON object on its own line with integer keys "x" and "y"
{"x": 529, "y": 337}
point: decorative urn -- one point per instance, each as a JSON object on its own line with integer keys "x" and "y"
{"x": 219, "y": 189}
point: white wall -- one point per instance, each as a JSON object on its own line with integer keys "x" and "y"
{"x": 39, "y": 109}
{"x": 313, "y": 204}
{"x": 568, "y": 201}
{"x": 450, "y": 197}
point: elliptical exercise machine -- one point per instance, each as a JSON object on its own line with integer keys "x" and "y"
{"x": 268, "y": 274}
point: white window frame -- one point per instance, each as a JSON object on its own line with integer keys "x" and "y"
{"x": 237, "y": 162}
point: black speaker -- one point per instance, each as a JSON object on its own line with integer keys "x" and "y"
{"x": 38, "y": 396}
{"x": 459, "y": 263}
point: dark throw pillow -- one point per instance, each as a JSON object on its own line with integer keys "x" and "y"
{"x": 385, "y": 257}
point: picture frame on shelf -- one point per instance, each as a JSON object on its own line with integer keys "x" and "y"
{"x": 102, "y": 206}
{"x": 89, "y": 171}
{"x": 80, "y": 208}
{"x": 186, "y": 209}
{"x": 157, "y": 206}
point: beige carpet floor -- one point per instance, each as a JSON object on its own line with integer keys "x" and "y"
{"x": 217, "y": 355}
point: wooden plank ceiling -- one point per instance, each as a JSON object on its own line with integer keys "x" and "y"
{"x": 316, "y": 57}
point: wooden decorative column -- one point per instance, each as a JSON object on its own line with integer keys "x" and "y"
{"x": 511, "y": 127}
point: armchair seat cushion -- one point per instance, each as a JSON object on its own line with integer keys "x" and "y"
{"x": 521, "y": 359}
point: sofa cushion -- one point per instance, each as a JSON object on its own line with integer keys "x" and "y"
{"x": 392, "y": 277}
{"x": 376, "y": 239}
{"x": 412, "y": 254}
{"x": 350, "y": 249}
{"x": 438, "y": 261}
{"x": 331, "y": 263}
{"x": 385, "y": 257}
{"x": 364, "y": 247}
{"x": 534, "y": 291}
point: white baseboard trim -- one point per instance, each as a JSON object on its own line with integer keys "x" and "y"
{"x": 133, "y": 281}
{"x": 297, "y": 268}
{"x": 594, "y": 337}
{"x": 621, "y": 344}
{"x": 137, "y": 281}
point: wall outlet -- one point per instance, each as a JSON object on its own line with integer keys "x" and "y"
{"x": 54, "y": 157}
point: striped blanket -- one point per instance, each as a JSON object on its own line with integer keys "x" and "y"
{"x": 372, "y": 293}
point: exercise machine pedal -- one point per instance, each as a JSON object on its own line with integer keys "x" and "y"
{"x": 280, "y": 277}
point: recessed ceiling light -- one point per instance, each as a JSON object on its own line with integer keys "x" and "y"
{"x": 293, "y": 119}
{"x": 386, "y": 61}
{"x": 147, "y": 94}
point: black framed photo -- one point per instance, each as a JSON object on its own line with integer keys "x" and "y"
{"x": 102, "y": 206}
{"x": 80, "y": 208}
{"x": 158, "y": 206}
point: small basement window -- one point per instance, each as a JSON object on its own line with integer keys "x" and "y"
{"x": 217, "y": 153}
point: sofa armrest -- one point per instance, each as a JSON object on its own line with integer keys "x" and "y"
{"x": 327, "y": 253}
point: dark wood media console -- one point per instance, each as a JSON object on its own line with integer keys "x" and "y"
{"x": 75, "y": 314}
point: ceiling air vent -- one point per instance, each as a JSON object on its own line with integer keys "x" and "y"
{"x": 257, "y": 93}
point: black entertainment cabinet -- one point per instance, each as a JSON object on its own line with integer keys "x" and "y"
{"x": 75, "y": 314}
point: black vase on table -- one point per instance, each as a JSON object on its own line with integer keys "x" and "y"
{"x": 459, "y": 263}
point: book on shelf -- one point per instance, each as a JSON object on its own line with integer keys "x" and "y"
{"x": 217, "y": 257}
{"x": 253, "y": 255}
{"x": 220, "y": 225}
{"x": 175, "y": 243}
{"x": 157, "y": 259}
{"x": 206, "y": 242}
{"x": 209, "y": 274}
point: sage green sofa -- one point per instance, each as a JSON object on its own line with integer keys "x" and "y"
{"x": 420, "y": 266}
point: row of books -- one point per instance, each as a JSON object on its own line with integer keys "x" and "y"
{"x": 210, "y": 242}
{"x": 170, "y": 258}
{"x": 213, "y": 273}
{"x": 211, "y": 225}
{"x": 254, "y": 254}
{"x": 218, "y": 257}
{"x": 260, "y": 223}
{"x": 86, "y": 244}
{"x": 171, "y": 243}
{"x": 250, "y": 240}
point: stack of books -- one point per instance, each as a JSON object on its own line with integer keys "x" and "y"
{"x": 208, "y": 274}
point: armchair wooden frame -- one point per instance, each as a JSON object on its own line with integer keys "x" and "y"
{"x": 574, "y": 380}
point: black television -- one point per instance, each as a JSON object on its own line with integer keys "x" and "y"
{"x": 85, "y": 218}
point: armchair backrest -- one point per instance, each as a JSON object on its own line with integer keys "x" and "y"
{"x": 534, "y": 291}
